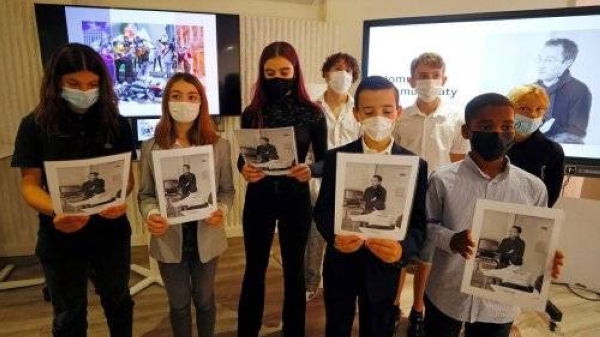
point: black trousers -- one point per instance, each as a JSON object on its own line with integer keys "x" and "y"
{"x": 99, "y": 248}
{"x": 437, "y": 324}
{"x": 286, "y": 202}
{"x": 348, "y": 277}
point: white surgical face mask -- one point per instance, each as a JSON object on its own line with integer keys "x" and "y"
{"x": 429, "y": 90}
{"x": 184, "y": 112}
{"x": 80, "y": 99}
{"x": 525, "y": 125}
{"x": 378, "y": 128}
{"x": 340, "y": 81}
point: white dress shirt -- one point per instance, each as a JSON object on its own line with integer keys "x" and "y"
{"x": 433, "y": 137}
{"x": 342, "y": 129}
{"x": 450, "y": 204}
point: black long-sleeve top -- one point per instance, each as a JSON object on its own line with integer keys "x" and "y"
{"x": 570, "y": 104}
{"x": 544, "y": 159}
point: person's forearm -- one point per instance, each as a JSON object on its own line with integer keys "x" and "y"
{"x": 440, "y": 235}
{"x": 37, "y": 199}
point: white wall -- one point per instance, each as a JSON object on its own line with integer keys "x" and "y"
{"x": 249, "y": 7}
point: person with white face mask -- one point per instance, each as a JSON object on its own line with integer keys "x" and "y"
{"x": 431, "y": 129}
{"x": 77, "y": 118}
{"x": 367, "y": 270}
{"x": 533, "y": 151}
{"x": 340, "y": 71}
{"x": 187, "y": 253}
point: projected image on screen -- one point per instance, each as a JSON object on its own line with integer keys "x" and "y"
{"x": 494, "y": 52}
{"x": 143, "y": 49}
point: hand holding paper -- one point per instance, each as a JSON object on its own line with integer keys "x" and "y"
{"x": 252, "y": 173}
{"x": 157, "y": 225}
{"x": 300, "y": 172}
{"x": 114, "y": 212}
{"x": 387, "y": 250}
{"x": 557, "y": 264}
{"x": 463, "y": 244}
{"x": 70, "y": 223}
{"x": 215, "y": 219}
{"x": 348, "y": 243}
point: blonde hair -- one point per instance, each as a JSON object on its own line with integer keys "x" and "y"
{"x": 429, "y": 59}
{"x": 518, "y": 92}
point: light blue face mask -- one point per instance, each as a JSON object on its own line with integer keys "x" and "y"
{"x": 525, "y": 125}
{"x": 80, "y": 99}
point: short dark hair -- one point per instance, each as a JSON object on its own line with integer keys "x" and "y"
{"x": 569, "y": 47}
{"x": 518, "y": 228}
{"x": 265, "y": 139}
{"x": 95, "y": 173}
{"x": 378, "y": 177}
{"x": 477, "y": 104}
{"x": 350, "y": 61}
{"x": 375, "y": 83}
{"x": 186, "y": 166}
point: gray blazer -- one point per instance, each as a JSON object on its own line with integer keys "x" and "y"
{"x": 211, "y": 241}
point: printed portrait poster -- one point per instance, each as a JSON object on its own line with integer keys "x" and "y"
{"x": 374, "y": 194}
{"x": 185, "y": 183}
{"x": 88, "y": 186}
{"x": 515, "y": 250}
{"x": 271, "y": 150}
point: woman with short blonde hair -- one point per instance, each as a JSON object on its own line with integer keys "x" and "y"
{"x": 533, "y": 151}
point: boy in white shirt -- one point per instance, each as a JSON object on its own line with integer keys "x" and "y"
{"x": 431, "y": 129}
{"x": 340, "y": 71}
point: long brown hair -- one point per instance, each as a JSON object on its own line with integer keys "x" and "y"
{"x": 67, "y": 59}
{"x": 201, "y": 132}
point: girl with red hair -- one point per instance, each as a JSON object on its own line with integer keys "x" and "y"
{"x": 187, "y": 253}
{"x": 280, "y": 100}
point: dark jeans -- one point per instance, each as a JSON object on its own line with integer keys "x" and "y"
{"x": 187, "y": 280}
{"x": 107, "y": 255}
{"x": 289, "y": 203}
{"x": 437, "y": 324}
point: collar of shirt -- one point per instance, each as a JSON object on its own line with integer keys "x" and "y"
{"x": 368, "y": 150}
{"x": 501, "y": 176}
{"x": 346, "y": 111}
{"x": 414, "y": 110}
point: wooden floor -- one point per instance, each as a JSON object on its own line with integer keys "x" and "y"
{"x": 23, "y": 313}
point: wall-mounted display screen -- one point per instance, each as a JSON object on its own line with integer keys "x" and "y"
{"x": 142, "y": 49}
{"x": 494, "y": 52}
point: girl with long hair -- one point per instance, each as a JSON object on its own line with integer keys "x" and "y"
{"x": 280, "y": 100}
{"x": 187, "y": 253}
{"x": 77, "y": 118}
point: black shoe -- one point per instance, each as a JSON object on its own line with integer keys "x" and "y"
{"x": 416, "y": 326}
{"x": 396, "y": 315}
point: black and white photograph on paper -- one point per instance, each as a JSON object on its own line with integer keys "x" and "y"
{"x": 374, "y": 194}
{"x": 88, "y": 186}
{"x": 515, "y": 251}
{"x": 185, "y": 183}
{"x": 272, "y": 150}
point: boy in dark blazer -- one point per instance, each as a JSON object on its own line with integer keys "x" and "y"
{"x": 367, "y": 269}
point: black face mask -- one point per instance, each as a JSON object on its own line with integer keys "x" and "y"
{"x": 278, "y": 87}
{"x": 491, "y": 145}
